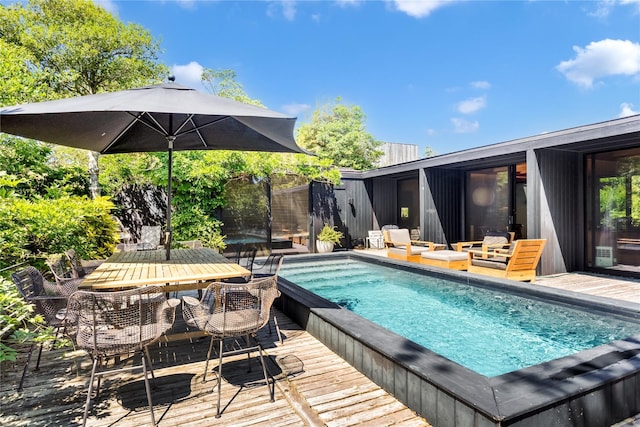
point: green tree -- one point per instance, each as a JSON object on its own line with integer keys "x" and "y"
{"x": 429, "y": 152}
{"x": 69, "y": 48}
{"x": 337, "y": 132}
{"x": 223, "y": 83}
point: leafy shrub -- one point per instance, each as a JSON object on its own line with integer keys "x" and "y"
{"x": 17, "y": 323}
{"x": 30, "y": 230}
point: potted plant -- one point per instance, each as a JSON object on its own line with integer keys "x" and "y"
{"x": 327, "y": 238}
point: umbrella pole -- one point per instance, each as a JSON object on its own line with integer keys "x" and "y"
{"x": 169, "y": 231}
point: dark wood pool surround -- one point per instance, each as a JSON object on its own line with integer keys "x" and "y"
{"x": 596, "y": 387}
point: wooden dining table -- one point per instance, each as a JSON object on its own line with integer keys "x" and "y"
{"x": 188, "y": 269}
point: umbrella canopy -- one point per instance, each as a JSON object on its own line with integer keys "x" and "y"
{"x": 163, "y": 117}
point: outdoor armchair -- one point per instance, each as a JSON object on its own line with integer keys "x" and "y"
{"x": 108, "y": 324}
{"x": 374, "y": 239}
{"x": 150, "y": 236}
{"x": 47, "y": 302}
{"x": 61, "y": 270}
{"x": 400, "y": 246}
{"x": 270, "y": 268}
{"x": 244, "y": 257}
{"x": 232, "y": 311}
{"x": 517, "y": 263}
{"x": 80, "y": 267}
{"x": 491, "y": 240}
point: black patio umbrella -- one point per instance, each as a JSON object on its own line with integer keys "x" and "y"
{"x": 163, "y": 117}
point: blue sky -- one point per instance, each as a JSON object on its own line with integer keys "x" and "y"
{"x": 446, "y": 74}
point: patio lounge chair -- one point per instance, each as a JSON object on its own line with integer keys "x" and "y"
{"x": 47, "y": 302}
{"x": 491, "y": 240}
{"x": 400, "y": 246}
{"x": 232, "y": 311}
{"x": 108, "y": 324}
{"x": 517, "y": 263}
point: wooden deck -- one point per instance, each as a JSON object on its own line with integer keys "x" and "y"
{"x": 626, "y": 289}
{"x": 313, "y": 387}
{"x": 316, "y": 388}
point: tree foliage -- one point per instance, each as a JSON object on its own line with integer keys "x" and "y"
{"x": 75, "y": 47}
{"x": 223, "y": 83}
{"x": 337, "y": 132}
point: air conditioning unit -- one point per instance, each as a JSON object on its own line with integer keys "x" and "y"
{"x": 604, "y": 256}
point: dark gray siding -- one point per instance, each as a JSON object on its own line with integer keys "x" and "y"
{"x": 444, "y": 205}
{"x": 355, "y": 211}
{"x": 558, "y": 213}
{"x": 384, "y": 202}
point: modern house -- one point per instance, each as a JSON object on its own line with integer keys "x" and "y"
{"x": 578, "y": 188}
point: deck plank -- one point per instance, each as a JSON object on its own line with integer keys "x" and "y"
{"x": 55, "y": 395}
{"x": 327, "y": 392}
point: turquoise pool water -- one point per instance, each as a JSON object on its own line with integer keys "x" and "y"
{"x": 486, "y": 331}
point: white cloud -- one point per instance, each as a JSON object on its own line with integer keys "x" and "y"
{"x": 108, "y": 5}
{"x": 481, "y": 84}
{"x": 295, "y": 109}
{"x": 627, "y": 110}
{"x": 420, "y": 8}
{"x": 604, "y": 7}
{"x": 472, "y": 105}
{"x": 286, "y": 7}
{"x": 464, "y": 126}
{"x": 601, "y": 59}
{"x": 189, "y": 74}
{"x": 346, "y": 3}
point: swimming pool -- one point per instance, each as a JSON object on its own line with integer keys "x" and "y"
{"x": 594, "y": 387}
{"x": 461, "y": 322}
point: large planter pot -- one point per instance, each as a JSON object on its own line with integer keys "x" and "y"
{"x": 323, "y": 246}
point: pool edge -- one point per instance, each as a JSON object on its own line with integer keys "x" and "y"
{"x": 447, "y": 394}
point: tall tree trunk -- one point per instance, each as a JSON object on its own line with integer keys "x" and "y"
{"x": 94, "y": 188}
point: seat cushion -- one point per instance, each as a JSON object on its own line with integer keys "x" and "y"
{"x": 489, "y": 264}
{"x": 445, "y": 255}
{"x": 496, "y": 238}
{"x": 400, "y": 235}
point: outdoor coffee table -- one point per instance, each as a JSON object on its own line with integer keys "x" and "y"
{"x": 445, "y": 259}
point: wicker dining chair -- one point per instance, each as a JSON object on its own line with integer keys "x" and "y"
{"x": 81, "y": 267}
{"x": 229, "y": 310}
{"x": 61, "y": 270}
{"x": 109, "y": 324}
{"x": 270, "y": 268}
{"x": 244, "y": 257}
{"x": 47, "y": 302}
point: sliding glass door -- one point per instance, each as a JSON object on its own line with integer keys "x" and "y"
{"x": 496, "y": 200}
{"x": 613, "y": 210}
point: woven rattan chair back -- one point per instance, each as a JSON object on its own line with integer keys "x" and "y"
{"x": 112, "y": 323}
{"x": 80, "y": 267}
{"x": 40, "y": 292}
{"x": 270, "y": 266}
{"x": 61, "y": 270}
{"x": 150, "y": 236}
{"x": 47, "y": 302}
{"x": 115, "y": 323}
{"x": 230, "y": 310}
